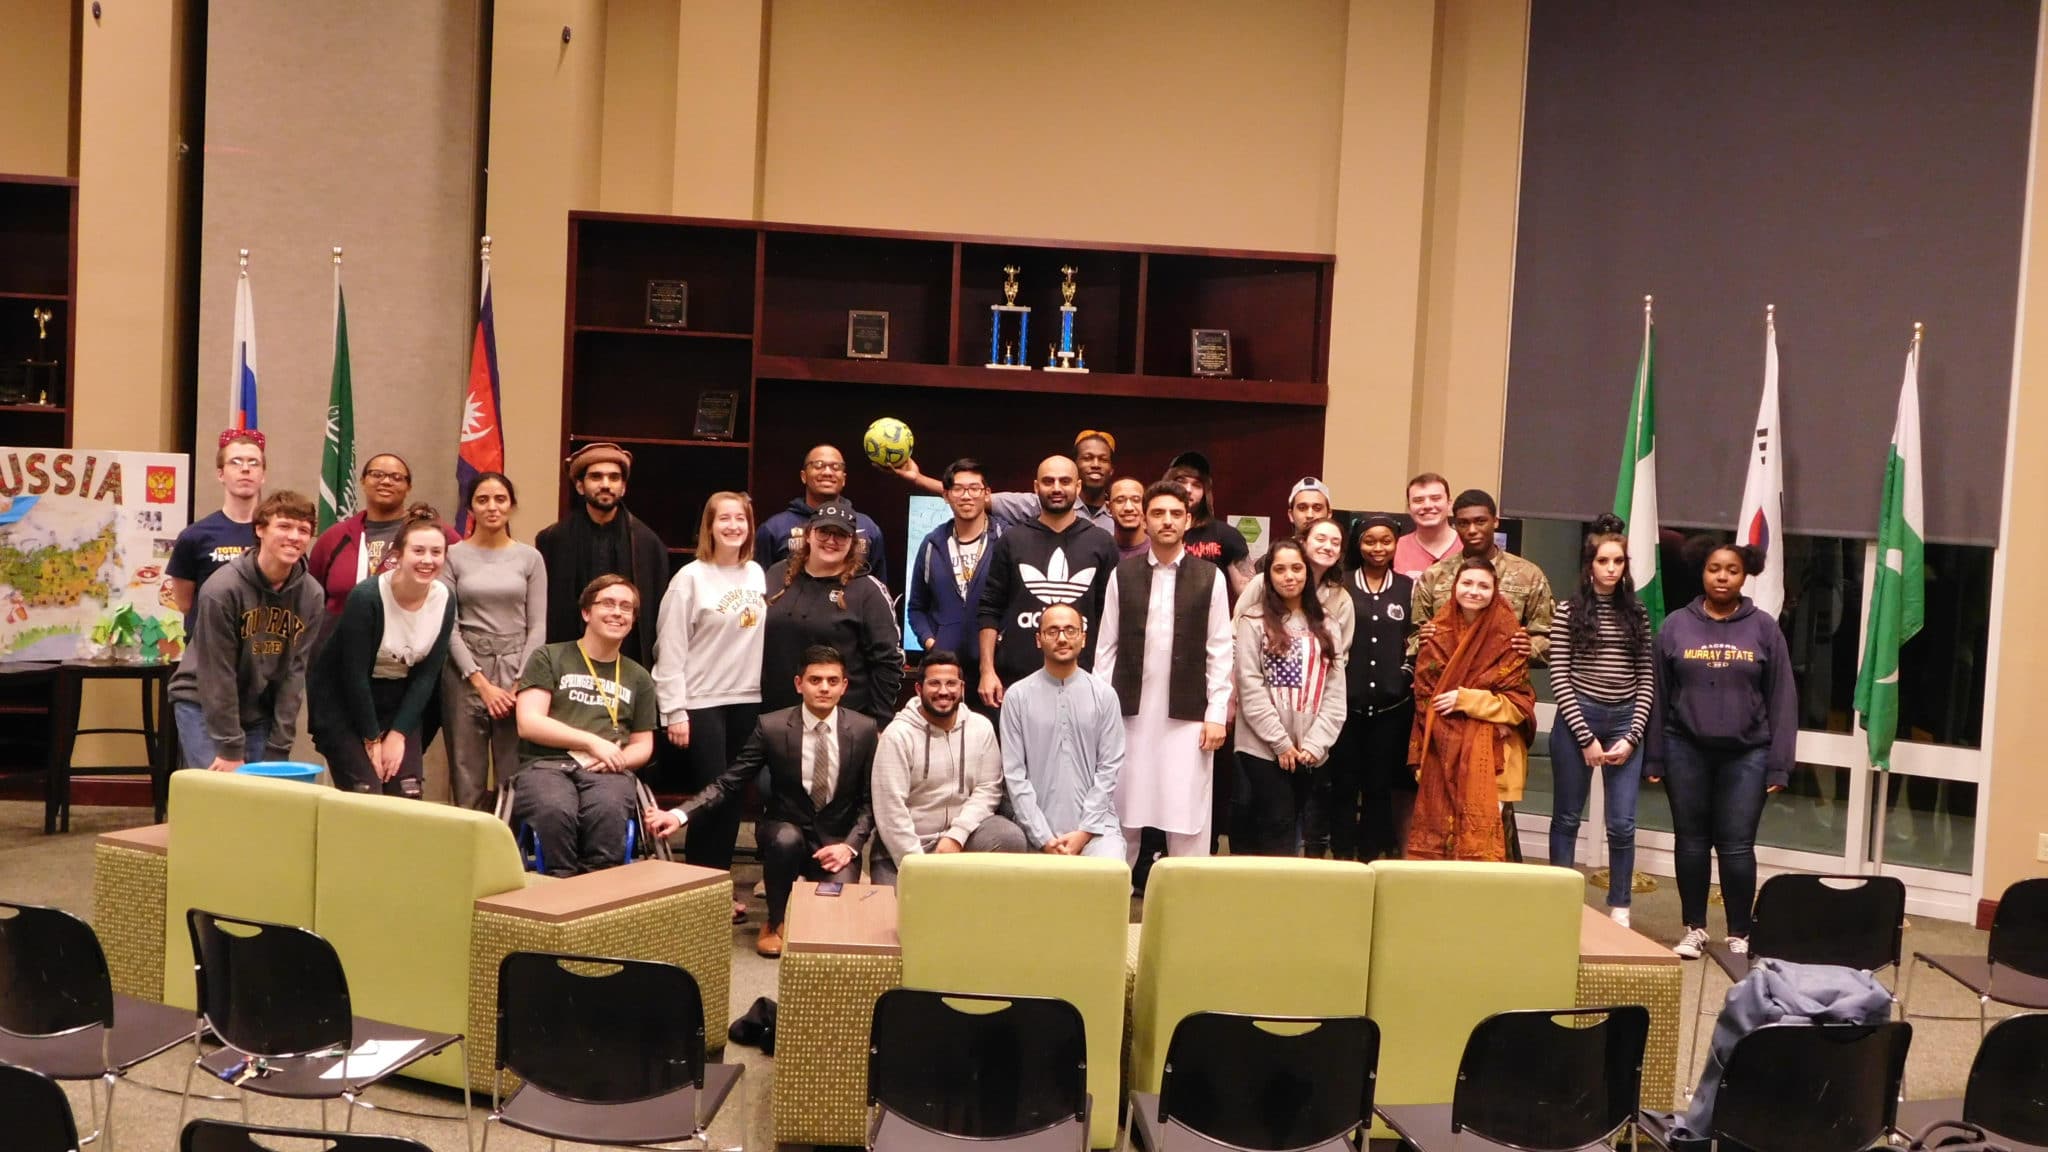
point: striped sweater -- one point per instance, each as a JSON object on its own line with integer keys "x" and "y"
{"x": 1612, "y": 673}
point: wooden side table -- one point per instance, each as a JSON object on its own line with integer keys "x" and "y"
{"x": 1621, "y": 966}
{"x": 839, "y": 954}
{"x": 647, "y": 910}
{"x": 130, "y": 874}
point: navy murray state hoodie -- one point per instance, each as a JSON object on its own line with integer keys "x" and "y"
{"x": 1727, "y": 684}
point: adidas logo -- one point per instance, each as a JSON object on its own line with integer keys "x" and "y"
{"x": 1056, "y": 585}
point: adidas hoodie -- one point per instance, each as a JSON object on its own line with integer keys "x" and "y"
{"x": 1033, "y": 568}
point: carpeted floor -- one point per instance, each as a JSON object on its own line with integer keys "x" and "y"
{"x": 58, "y": 870}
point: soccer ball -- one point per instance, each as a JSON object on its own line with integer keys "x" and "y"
{"x": 888, "y": 442}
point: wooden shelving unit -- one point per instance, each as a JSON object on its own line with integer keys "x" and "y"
{"x": 38, "y": 271}
{"x": 767, "y": 320}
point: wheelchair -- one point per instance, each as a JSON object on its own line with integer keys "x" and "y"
{"x": 640, "y": 843}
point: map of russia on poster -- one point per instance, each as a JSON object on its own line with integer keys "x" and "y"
{"x": 82, "y": 532}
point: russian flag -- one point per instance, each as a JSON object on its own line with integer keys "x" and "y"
{"x": 242, "y": 388}
{"x": 482, "y": 444}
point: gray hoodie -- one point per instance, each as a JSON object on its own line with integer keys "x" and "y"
{"x": 245, "y": 662}
{"x": 930, "y": 782}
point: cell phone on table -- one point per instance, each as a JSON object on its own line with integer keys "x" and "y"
{"x": 831, "y": 888}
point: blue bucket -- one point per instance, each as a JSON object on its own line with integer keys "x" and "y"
{"x": 282, "y": 770}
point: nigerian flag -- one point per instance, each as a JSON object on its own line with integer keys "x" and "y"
{"x": 1635, "y": 491}
{"x": 1898, "y": 605}
{"x": 338, "y": 492}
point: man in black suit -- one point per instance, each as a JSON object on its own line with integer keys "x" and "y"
{"x": 818, "y": 819}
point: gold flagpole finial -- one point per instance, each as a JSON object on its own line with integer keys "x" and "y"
{"x": 337, "y": 255}
{"x": 245, "y": 261}
{"x": 487, "y": 250}
{"x": 1918, "y": 330}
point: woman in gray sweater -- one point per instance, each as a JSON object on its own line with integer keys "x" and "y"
{"x": 501, "y": 616}
{"x": 1290, "y": 702}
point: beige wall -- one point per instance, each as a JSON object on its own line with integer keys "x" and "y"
{"x": 2016, "y": 803}
{"x": 131, "y": 172}
{"x": 36, "y": 61}
{"x": 1202, "y": 122}
{"x": 547, "y": 110}
{"x": 350, "y": 124}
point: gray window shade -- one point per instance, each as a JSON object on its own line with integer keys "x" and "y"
{"x": 1861, "y": 164}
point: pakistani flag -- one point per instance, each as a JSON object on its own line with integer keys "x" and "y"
{"x": 338, "y": 493}
{"x": 1635, "y": 491}
{"x": 1898, "y": 606}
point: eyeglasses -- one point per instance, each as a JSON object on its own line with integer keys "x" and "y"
{"x": 245, "y": 462}
{"x": 824, "y": 466}
{"x": 969, "y": 489}
{"x": 612, "y": 604}
{"x": 1060, "y": 631}
{"x": 378, "y": 475}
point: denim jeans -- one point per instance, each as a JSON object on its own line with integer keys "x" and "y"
{"x": 197, "y": 747}
{"x": 1717, "y": 801}
{"x": 1573, "y": 779}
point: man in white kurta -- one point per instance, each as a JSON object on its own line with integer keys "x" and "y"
{"x": 1176, "y": 662}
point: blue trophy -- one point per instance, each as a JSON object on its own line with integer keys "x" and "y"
{"x": 1003, "y": 353}
{"x": 1066, "y": 359}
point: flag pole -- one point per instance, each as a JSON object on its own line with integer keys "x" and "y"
{"x": 1884, "y": 780}
{"x": 245, "y": 263}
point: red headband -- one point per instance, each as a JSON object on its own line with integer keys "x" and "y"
{"x": 249, "y": 434}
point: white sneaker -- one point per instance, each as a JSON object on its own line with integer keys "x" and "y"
{"x": 1739, "y": 945}
{"x": 1619, "y": 916}
{"x": 1691, "y": 943}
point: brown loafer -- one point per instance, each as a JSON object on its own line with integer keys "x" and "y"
{"x": 769, "y": 942}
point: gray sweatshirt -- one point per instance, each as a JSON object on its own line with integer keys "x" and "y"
{"x": 1294, "y": 698}
{"x": 930, "y": 782}
{"x": 245, "y": 662}
{"x": 498, "y": 591}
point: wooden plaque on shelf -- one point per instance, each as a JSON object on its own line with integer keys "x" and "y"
{"x": 867, "y": 335}
{"x": 717, "y": 411}
{"x": 1210, "y": 351}
{"x": 668, "y": 304}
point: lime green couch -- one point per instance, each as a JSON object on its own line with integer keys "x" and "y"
{"x": 1026, "y": 925}
{"x": 391, "y": 883}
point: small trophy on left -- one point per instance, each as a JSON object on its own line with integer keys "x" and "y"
{"x": 1004, "y": 353}
{"x": 42, "y": 368}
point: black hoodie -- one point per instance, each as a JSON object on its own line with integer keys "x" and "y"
{"x": 245, "y": 662}
{"x": 1031, "y": 568}
{"x": 1727, "y": 684}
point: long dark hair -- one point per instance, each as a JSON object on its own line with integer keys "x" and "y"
{"x": 1275, "y": 609}
{"x": 1635, "y": 619}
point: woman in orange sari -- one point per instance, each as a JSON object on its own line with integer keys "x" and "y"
{"x": 1473, "y": 727}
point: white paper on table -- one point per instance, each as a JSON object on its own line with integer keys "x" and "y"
{"x": 370, "y": 1058}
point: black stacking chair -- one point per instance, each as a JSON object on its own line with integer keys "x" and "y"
{"x": 946, "y": 1069}
{"x": 2014, "y": 969}
{"x": 222, "y": 1136}
{"x": 59, "y": 1013}
{"x": 1805, "y": 1088}
{"x": 1264, "y": 1083}
{"x": 35, "y": 1111}
{"x": 610, "y": 1051}
{"x": 276, "y": 998}
{"x": 2007, "y": 1095}
{"x": 1851, "y": 921}
{"x": 1539, "y": 1081}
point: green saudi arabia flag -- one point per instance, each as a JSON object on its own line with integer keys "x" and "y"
{"x": 338, "y": 493}
{"x": 1635, "y": 490}
{"x": 1898, "y": 605}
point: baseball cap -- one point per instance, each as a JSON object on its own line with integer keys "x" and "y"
{"x": 833, "y": 515}
{"x": 1308, "y": 484}
{"x": 1191, "y": 459}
